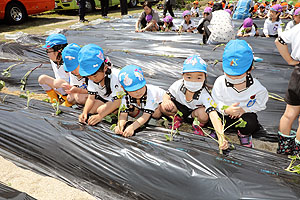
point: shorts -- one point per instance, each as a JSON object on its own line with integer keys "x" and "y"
{"x": 182, "y": 108}
{"x": 292, "y": 96}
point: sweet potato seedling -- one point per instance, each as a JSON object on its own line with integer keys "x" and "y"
{"x": 27, "y": 96}
{"x": 172, "y": 132}
{"x": 55, "y": 106}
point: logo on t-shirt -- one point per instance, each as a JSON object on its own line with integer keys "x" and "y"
{"x": 252, "y": 101}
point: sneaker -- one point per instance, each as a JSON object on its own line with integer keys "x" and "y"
{"x": 83, "y": 20}
{"x": 245, "y": 140}
{"x": 296, "y": 147}
{"x": 198, "y": 130}
{"x": 286, "y": 143}
{"x": 177, "y": 122}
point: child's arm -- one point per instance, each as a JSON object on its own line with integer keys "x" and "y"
{"x": 284, "y": 52}
{"x": 74, "y": 89}
{"x": 104, "y": 110}
{"x": 265, "y": 30}
{"x": 121, "y": 123}
{"x": 129, "y": 131}
{"x": 240, "y": 34}
{"x": 87, "y": 107}
{"x": 217, "y": 124}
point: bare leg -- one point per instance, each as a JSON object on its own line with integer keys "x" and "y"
{"x": 287, "y": 119}
{"x": 201, "y": 115}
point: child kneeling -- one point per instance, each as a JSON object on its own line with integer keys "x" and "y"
{"x": 141, "y": 100}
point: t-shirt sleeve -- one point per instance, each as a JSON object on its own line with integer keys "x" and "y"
{"x": 207, "y": 101}
{"x": 154, "y": 98}
{"x": 173, "y": 89}
{"x": 265, "y": 30}
{"x": 217, "y": 94}
{"x": 287, "y": 36}
{"x": 91, "y": 88}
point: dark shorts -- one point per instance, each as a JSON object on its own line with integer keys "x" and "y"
{"x": 292, "y": 96}
{"x": 182, "y": 108}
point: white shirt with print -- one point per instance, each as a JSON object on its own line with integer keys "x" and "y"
{"x": 289, "y": 25}
{"x": 149, "y": 102}
{"x": 272, "y": 28}
{"x": 185, "y": 26}
{"x": 252, "y": 99}
{"x": 292, "y": 37}
{"x": 74, "y": 81}
{"x": 177, "y": 90}
{"x": 193, "y": 10}
{"x": 251, "y": 33}
{"x": 97, "y": 89}
{"x": 60, "y": 73}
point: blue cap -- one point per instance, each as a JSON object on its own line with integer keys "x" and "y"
{"x": 90, "y": 59}
{"x": 194, "y": 64}
{"x": 237, "y": 57}
{"x": 55, "y": 39}
{"x": 131, "y": 78}
{"x": 70, "y": 57}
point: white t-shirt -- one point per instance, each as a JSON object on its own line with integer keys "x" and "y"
{"x": 289, "y": 25}
{"x": 173, "y": 28}
{"x": 148, "y": 103}
{"x": 96, "y": 89}
{"x": 251, "y": 33}
{"x": 292, "y": 37}
{"x": 195, "y": 11}
{"x": 60, "y": 73}
{"x": 271, "y": 28}
{"x": 74, "y": 81}
{"x": 252, "y": 99}
{"x": 185, "y": 27}
{"x": 221, "y": 27}
{"x": 202, "y": 98}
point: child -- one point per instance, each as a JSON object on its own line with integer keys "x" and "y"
{"x": 77, "y": 89}
{"x": 237, "y": 89}
{"x": 247, "y": 29}
{"x": 262, "y": 13}
{"x": 272, "y": 25}
{"x": 268, "y": 6}
{"x": 294, "y": 22}
{"x": 230, "y": 7}
{"x": 187, "y": 25}
{"x": 290, "y": 7}
{"x": 141, "y": 100}
{"x": 55, "y": 43}
{"x": 207, "y": 11}
{"x": 195, "y": 10}
{"x": 168, "y": 24}
{"x": 153, "y": 27}
{"x": 210, "y": 4}
{"x": 103, "y": 85}
{"x": 284, "y": 13}
{"x": 190, "y": 96}
{"x": 288, "y": 141}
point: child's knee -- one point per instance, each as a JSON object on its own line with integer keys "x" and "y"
{"x": 80, "y": 98}
{"x": 290, "y": 116}
{"x": 58, "y": 83}
{"x": 43, "y": 79}
{"x": 71, "y": 98}
{"x": 201, "y": 115}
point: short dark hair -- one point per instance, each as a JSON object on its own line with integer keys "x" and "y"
{"x": 148, "y": 4}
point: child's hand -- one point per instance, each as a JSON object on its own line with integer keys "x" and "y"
{"x": 234, "y": 111}
{"x": 71, "y": 90}
{"x": 129, "y": 131}
{"x": 66, "y": 86}
{"x": 119, "y": 130}
{"x": 82, "y": 118}
{"x": 224, "y": 145}
{"x": 267, "y": 36}
{"x": 93, "y": 120}
{"x": 168, "y": 105}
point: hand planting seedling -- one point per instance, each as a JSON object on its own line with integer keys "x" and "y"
{"x": 172, "y": 132}
{"x": 296, "y": 168}
{"x": 27, "y": 96}
{"x": 55, "y": 106}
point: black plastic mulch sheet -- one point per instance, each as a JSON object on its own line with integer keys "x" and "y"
{"x": 7, "y": 193}
{"x": 146, "y": 166}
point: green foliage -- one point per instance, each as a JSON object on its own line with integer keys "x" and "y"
{"x": 2, "y": 84}
{"x": 27, "y": 95}
{"x": 224, "y": 107}
{"x": 121, "y": 108}
{"x": 24, "y": 79}
{"x": 295, "y": 168}
{"x": 7, "y": 73}
{"x": 55, "y": 106}
{"x": 172, "y": 132}
{"x": 46, "y": 100}
{"x": 242, "y": 123}
{"x": 109, "y": 118}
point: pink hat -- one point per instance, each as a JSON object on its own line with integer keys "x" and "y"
{"x": 207, "y": 10}
{"x": 297, "y": 11}
{"x": 277, "y": 8}
{"x": 185, "y": 13}
{"x": 168, "y": 19}
{"x": 248, "y": 22}
{"x": 148, "y": 18}
{"x": 228, "y": 10}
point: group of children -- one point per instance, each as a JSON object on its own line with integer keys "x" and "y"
{"x": 85, "y": 76}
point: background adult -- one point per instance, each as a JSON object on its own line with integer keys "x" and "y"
{"x": 142, "y": 18}
{"x": 82, "y": 10}
{"x": 124, "y": 7}
{"x": 168, "y": 6}
{"x": 104, "y": 8}
{"x": 243, "y": 9}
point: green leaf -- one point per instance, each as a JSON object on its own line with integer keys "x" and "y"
{"x": 196, "y": 122}
{"x": 167, "y": 137}
{"x": 46, "y": 100}
{"x": 165, "y": 119}
{"x": 112, "y": 127}
{"x": 58, "y": 112}
{"x": 23, "y": 96}
{"x": 179, "y": 113}
{"x": 108, "y": 118}
{"x": 224, "y": 107}
{"x": 242, "y": 124}
{"x": 2, "y": 85}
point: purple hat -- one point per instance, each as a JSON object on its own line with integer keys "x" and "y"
{"x": 148, "y": 18}
{"x": 228, "y": 10}
{"x": 277, "y": 8}
{"x": 248, "y": 22}
{"x": 207, "y": 10}
{"x": 297, "y": 11}
{"x": 185, "y": 13}
{"x": 168, "y": 19}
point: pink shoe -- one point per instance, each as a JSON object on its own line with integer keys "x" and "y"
{"x": 177, "y": 122}
{"x": 198, "y": 130}
{"x": 245, "y": 140}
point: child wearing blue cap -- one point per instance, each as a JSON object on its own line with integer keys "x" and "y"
{"x": 190, "y": 96}
{"x": 103, "y": 85}
{"x": 289, "y": 141}
{"x": 141, "y": 99}
{"x": 237, "y": 90}
{"x": 54, "y": 46}
{"x": 77, "y": 88}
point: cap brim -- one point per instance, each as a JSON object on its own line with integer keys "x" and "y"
{"x": 135, "y": 87}
{"x": 187, "y": 71}
{"x": 88, "y": 73}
